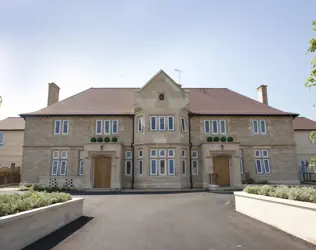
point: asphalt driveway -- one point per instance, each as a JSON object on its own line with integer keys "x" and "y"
{"x": 191, "y": 221}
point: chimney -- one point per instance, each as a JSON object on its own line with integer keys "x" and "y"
{"x": 53, "y": 94}
{"x": 263, "y": 94}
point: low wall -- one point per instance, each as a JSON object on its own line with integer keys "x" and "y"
{"x": 21, "y": 229}
{"x": 294, "y": 217}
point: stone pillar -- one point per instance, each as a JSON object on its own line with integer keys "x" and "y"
{"x": 87, "y": 181}
{"x": 235, "y": 181}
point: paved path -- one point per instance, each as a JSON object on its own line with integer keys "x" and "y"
{"x": 192, "y": 221}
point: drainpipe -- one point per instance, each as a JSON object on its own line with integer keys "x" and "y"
{"x": 133, "y": 160}
{"x": 190, "y": 149}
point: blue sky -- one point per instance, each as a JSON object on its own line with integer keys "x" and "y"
{"x": 225, "y": 43}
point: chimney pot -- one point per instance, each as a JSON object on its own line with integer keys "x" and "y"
{"x": 262, "y": 92}
{"x": 53, "y": 94}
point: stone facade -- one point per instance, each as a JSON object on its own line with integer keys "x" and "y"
{"x": 40, "y": 143}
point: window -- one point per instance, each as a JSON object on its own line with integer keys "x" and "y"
{"x": 262, "y": 161}
{"x": 165, "y": 161}
{"x": 259, "y": 127}
{"x": 59, "y": 161}
{"x": 195, "y": 162}
{"x": 98, "y": 127}
{"x": 207, "y": 127}
{"x": 107, "y": 127}
{"x": 183, "y": 154}
{"x": 140, "y": 124}
{"x": 161, "y": 123}
{"x": 1, "y": 138}
{"x": 140, "y": 162}
{"x": 241, "y": 163}
{"x": 215, "y": 126}
{"x": 65, "y": 127}
{"x": 128, "y": 167}
{"x": 170, "y": 123}
{"x": 183, "y": 162}
{"x": 183, "y": 128}
{"x": 140, "y": 153}
{"x": 128, "y": 155}
{"x": 81, "y": 161}
{"x": 115, "y": 127}
{"x": 153, "y": 123}
{"x": 222, "y": 124}
{"x": 57, "y": 127}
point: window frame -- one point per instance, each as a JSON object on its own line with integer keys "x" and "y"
{"x": 197, "y": 154}
{"x": 140, "y": 124}
{"x": 81, "y": 162}
{"x": 173, "y": 154}
{"x": 104, "y": 127}
{"x": 241, "y": 161}
{"x": 209, "y": 126}
{"x": 185, "y": 166}
{"x": 253, "y": 127}
{"x": 183, "y": 153}
{"x": 161, "y": 118}
{"x": 264, "y": 159}
{"x": 216, "y": 122}
{"x": 2, "y": 138}
{"x": 168, "y": 127}
{"x": 220, "y": 127}
{"x": 151, "y": 123}
{"x": 164, "y": 154}
{"x": 60, "y": 168}
{"x": 126, "y": 154}
{"x": 174, "y": 168}
{"x": 265, "y": 127}
{"x": 140, "y": 168}
{"x": 60, "y": 123}
{"x": 183, "y": 125}
{"x": 52, "y": 173}
{"x": 140, "y": 155}
{"x": 153, "y": 173}
{"x": 96, "y": 127}
{"x": 125, "y": 167}
{"x": 117, "y": 127}
{"x": 165, "y": 165}
{"x": 62, "y": 128}
{"x": 150, "y": 153}
{"x": 197, "y": 166}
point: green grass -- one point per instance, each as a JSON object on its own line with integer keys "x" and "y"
{"x": 15, "y": 203}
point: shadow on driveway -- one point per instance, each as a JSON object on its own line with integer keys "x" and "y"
{"x": 53, "y": 239}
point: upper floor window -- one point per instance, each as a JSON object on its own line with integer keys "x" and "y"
{"x": 98, "y": 127}
{"x": 215, "y": 127}
{"x": 161, "y": 123}
{"x": 59, "y": 163}
{"x": 61, "y": 127}
{"x": 106, "y": 127}
{"x": 1, "y": 138}
{"x": 262, "y": 161}
{"x": 183, "y": 128}
{"x": 222, "y": 126}
{"x": 218, "y": 127}
{"x": 207, "y": 127}
{"x": 114, "y": 126}
{"x": 140, "y": 124}
{"x": 170, "y": 123}
{"x": 153, "y": 123}
{"x": 259, "y": 127}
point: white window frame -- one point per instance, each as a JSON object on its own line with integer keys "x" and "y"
{"x": 104, "y": 127}
{"x": 220, "y": 127}
{"x": 241, "y": 161}
{"x": 183, "y": 125}
{"x": 55, "y": 154}
{"x": 60, "y": 168}
{"x": 140, "y": 124}
{"x": 173, "y": 153}
{"x": 174, "y": 167}
{"x": 53, "y": 173}
{"x": 153, "y": 173}
{"x": 161, "y": 118}
{"x": 170, "y": 129}
{"x": 253, "y": 127}
{"x": 126, "y": 162}
{"x": 140, "y": 153}
{"x": 151, "y": 155}
{"x": 60, "y": 124}
{"x": 195, "y": 156}
{"x": 165, "y": 164}
{"x": 63, "y": 154}
{"x": 209, "y": 126}
{"x": 63, "y": 124}
{"x": 2, "y": 138}
{"x": 81, "y": 165}
{"x": 140, "y": 168}
{"x": 258, "y": 160}
{"x": 151, "y": 123}
{"x": 262, "y": 156}
{"x": 265, "y": 127}
{"x": 96, "y": 127}
{"x": 164, "y": 153}
{"x": 117, "y": 127}
{"x": 185, "y": 166}
{"x": 215, "y": 132}
{"x": 127, "y": 156}
{"x": 183, "y": 153}
{"x": 197, "y": 166}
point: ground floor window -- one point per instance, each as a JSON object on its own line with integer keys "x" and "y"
{"x": 59, "y": 163}
{"x": 183, "y": 162}
{"x": 195, "y": 162}
{"x": 162, "y": 161}
{"x": 262, "y": 161}
{"x": 241, "y": 162}
{"x": 81, "y": 161}
{"x": 128, "y": 163}
{"x": 140, "y": 162}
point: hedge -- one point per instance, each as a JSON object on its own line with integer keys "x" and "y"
{"x": 15, "y": 203}
{"x": 307, "y": 194}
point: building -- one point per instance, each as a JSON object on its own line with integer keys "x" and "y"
{"x": 158, "y": 136}
{"x": 305, "y": 147}
{"x": 11, "y": 142}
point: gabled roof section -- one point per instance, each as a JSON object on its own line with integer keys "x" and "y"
{"x": 303, "y": 123}
{"x": 160, "y": 73}
{"x": 12, "y": 123}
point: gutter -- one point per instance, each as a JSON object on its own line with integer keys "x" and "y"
{"x": 133, "y": 154}
{"x": 190, "y": 149}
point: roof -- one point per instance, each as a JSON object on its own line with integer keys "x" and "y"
{"x": 120, "y": 101}
{"x": 12, "y": 123}
{"x": 303, "y": 123}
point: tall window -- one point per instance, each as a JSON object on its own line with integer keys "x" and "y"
{"x": 140, "y": 124}
{"x": 218, "y": 127}
{"x": 241, "y": 163}
{"x": 170, "y": 123}
{"x": 81, "y": 161}
{"x": 183, "y": 127}
{"x": 222, "y": 126}
{"x": 107, "y": 127}
{"x": 262, "y": 161}
{"x": 59, "y": 163}
{"x": 215, "y": 127}
{"x": 61, "y": 127}
{"x": 207, "y": 127}
{"x": 1, "y": 138}
{"x": 195, "y": 162}
{"x": 161, "y": 123}
{"x": 98, "y": 127}
{"x": 140, "y": 162}
{"x": 128, "y": 163}
{"x": 153, "y": 123}
{"x": 114, "y": 127}
{"x": 259, "y": 127}
{"x": 183, "y": 162}
{"x": 165, "y": 160}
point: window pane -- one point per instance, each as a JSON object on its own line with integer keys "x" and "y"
{"x": 140, "y": 153}
{"x": 162, "y": 153}
{"x": 194, "y": 154}
{"x": 55, "y": 154}
{"x": 195, "y": 167}
{"x": 128, "y": 167}
{"x": 266, "y": 165}
{"x": 223, "y": 126}
{"x": 265, "y": 153}
{"x": 54, "y": 167}
{"x": 128, "y": 154}
{"x": 207, "y": 128}
{"x": 63, "y": 166}
{"x": 153, "y": 123}
{"x": 153, "y": 153}
{"x": 258, "y": 166}
{"x": 182, "y": 124}
{"x": 183, "y": 153}
{"x": 257, "y": 153}
{"x": 140, "y": 167}
{"x": 171, "y": 152}
{"x": 64, "y": 154}
{"x": 107, "y": 127}
{"x": 183, "y": 166}
{"x": 57, "y": 127}
{"x": 98, "y": 127}
{"x": 263, "y": 126}
{"x": 255, "y": 127}
{"x": 65, "y": 127}
{"x": 241, "y": 166}
{"x": 171, "y": 170}
{"x": 161, "y": 123}
{"x": 162, "y": 167}
{"x": 170, "y": 123}
{"x": 1, "y": 138}
{"x": 140, "y": 124}
{"x": 81, "y": 167}
{"x": 153, "y": 167}
{"x": 114, "y": 127}
{"x": 215, "y": 127}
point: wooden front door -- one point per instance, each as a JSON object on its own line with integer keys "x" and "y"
{"x": 102, "y": 172}
{"x": 221, "y": 169}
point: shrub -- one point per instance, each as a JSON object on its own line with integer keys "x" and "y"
{"x": 15, "y": 203}
{"x": 281, "y": 192}
{"x": 216, "y": 139}
{"x": 230, "y": 139}
{"x": 267, "y": 190}
{"x": 114, "y": 139}
{"x": 209, "y": 139}
{"x": 100, "y": 139}
{"x": 252, "y": 189}
{"x": 251, "y": 181}
{"x": 106, "y": 139}
{"x": 93, "y": 139}
{"x": 223, "y": 139}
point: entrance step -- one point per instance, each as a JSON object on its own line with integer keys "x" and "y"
{"x": 222, "y": 190}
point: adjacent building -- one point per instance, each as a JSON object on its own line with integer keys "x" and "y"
{"x": 160, "y": 135}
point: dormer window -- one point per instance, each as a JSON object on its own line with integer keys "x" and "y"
{"x": 161, "y": 97}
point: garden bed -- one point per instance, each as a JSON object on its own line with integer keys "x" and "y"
{"x": 28, "y": 217}
{"x": 291, "y": 209}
